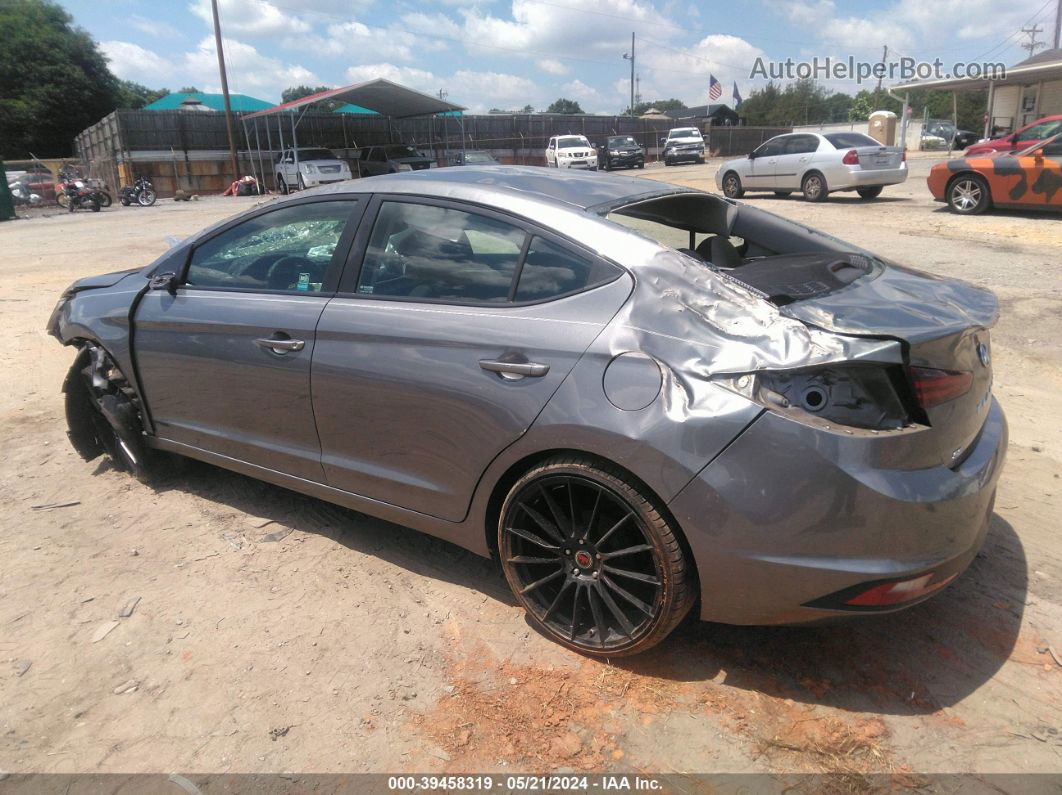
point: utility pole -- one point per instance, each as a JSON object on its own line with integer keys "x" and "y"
{"x": 1058, "y": 24}
{"x": 1033, "y": 45}
{"x": 630, "y": 57}
{"x": 225, "y": 92}
{"x": 877, "y": 91}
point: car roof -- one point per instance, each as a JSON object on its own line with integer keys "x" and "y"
{"x": 488, "y": 184}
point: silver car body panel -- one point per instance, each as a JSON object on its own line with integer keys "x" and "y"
{"x": 777, "y": 508}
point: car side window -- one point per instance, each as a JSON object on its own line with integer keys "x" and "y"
{"x": 423, "y": 251}
{"x": 771, "y": 148}
{"x": 801, "y": 145}
{"x": 288, "y": 249}
{"x": 1053, "y": 150}
{"x": 550, "y": 271}
{"x": 1038, "y": 132}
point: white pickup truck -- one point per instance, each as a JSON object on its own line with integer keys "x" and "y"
{"x": 315, "y": 167}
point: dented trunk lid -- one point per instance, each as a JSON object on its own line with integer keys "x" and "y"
{"x": 943, "y": 324}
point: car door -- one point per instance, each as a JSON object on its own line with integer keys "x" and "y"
{"x": 224, "y": 358}
{"x": 794, "y": 160}
{"x": 1040, "y": 179}
{"x": 761, "y": 166}
{"x": 445, "y": 344}
{"x": 551, "y": 152}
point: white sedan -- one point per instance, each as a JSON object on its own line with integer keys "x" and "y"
{"x": 571, "y": 151}
{"x": 816, "y": 165}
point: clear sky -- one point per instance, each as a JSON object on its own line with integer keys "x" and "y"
{"x": 510, "y": 53}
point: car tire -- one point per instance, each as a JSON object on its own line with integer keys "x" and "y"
{"x": 814, "y": 187}
{"x": 700, "y": 161}
{"x": 967, "y": 194}
{"x": 781, "y": 194}
{"x": 557, "y": 569}
{"x": 106, "y": 419}
{"x": 869, "y": 193}
{"x": 641, "y": 165}
{"x": 282, "y": 186}
{"x": 732, "y": 187}
{"x": 105, "y": 199}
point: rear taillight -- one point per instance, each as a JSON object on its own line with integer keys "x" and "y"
{"x": 851, "y": 158}
{"x": 898, "y": 591}
{"x": 933, "y": 387}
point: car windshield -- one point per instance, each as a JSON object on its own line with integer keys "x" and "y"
{"x": 402, "y": 150}
{"x": 622, "y": 140}
{"x": 570, "y": 141}
{"x": 850, "y": 139}
{"x": 316, "y": 154}
{"x": 685, "y": 132}
{"x": 478, "y": 157}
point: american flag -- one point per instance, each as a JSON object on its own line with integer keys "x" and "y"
{"x": 715, "y": 90}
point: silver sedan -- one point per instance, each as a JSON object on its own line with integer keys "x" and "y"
{"x": 816, "y": 165}
{"x": 639, "y": 398}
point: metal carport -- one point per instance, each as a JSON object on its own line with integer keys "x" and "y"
{"x": 382, "y": 96}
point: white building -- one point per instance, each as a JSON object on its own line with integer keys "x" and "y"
{"x": 1031, "y": 90}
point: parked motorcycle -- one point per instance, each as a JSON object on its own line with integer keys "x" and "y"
{"x": 78, "y": 195}
{"x": 141, "y": 192}
{"x": 23, "y": 196}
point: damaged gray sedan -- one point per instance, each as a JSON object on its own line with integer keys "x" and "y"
{"x": 638, "y": 397}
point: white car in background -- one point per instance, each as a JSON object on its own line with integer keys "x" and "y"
{"x": 571, "y": 151}
{"x": 315, "y": 167}
{"x": 816, "y": 165}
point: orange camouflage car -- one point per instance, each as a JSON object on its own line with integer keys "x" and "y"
{"x": 1029, "y": 179}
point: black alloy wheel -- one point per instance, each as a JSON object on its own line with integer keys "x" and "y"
{"x": 591, "y": 559}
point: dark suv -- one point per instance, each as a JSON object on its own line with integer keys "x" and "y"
{"x": 390, "y": 159}
{"x": 620, "y": 151}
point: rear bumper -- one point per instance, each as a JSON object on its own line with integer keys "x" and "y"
{"x": 867, "y": 178}
{"x": 789, "y": 515}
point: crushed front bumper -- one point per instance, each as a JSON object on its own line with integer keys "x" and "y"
{"x": 790, "y": 516}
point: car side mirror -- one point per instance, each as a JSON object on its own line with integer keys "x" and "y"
{"x": 164, "y": 281}
{"x": 752, "y": 155}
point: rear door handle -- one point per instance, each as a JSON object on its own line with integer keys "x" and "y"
{"x": 280, "y": 346}
{"x": 513, "y": 370}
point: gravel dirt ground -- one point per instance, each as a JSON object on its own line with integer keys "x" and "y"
{"x": 269, "y": 632}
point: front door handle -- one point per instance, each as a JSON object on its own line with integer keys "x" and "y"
{"x": 280, "y": 346}
{"x": 514, "y": 370}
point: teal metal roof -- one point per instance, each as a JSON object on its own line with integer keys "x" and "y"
{"x": 240, "y": 102}
{"x": 358, "y": 109}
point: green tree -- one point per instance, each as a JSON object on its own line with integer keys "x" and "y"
{"x": 54, "y": 82}
{"x": 135, "y": 96}
{"x": 189, "y": 90}
{"x": 563, "y": 105}
{"x": 861, "y": 108}
{"x": 298, "y": 92}
{"x": 527, "y": 109}
{"x": 661, "y": 105}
